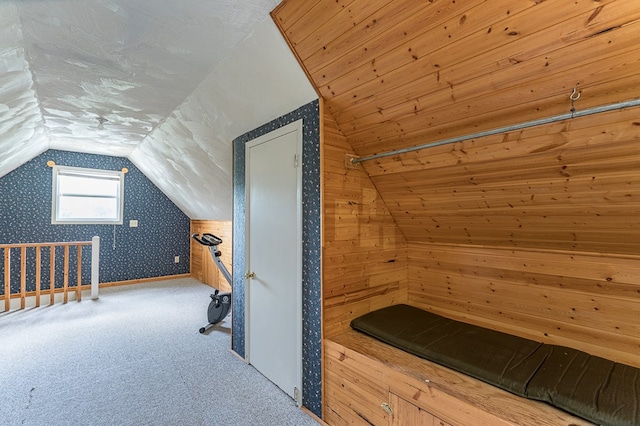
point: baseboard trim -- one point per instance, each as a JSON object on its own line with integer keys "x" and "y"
{"x": 139, "y": 281}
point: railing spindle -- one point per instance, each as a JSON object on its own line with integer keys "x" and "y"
{"x": 38, "y": 277}
{"x": 7, "y": 279}
{"x": 79, "y": 280}
{"x": 52, "y": 275}
{"x": 23, "y": 277}
{"x": 65, "y": 284}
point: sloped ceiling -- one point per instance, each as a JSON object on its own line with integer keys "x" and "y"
{"x": 400, "y": 73}
{"x": 175, "y": 81}
{"x": 404, "y": 72}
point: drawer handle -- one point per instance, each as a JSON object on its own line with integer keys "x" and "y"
{"x": 387, "y": 408}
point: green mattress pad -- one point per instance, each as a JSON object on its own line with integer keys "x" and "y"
{"x": 594, "y": 388}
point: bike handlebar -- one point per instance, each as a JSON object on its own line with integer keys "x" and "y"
{"x": 207, "y": 239}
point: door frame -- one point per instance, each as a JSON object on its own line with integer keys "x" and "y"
{"x": 296, "y": 126}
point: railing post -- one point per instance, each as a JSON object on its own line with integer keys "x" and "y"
{"x": 95, "y": 266}
{"x": 79, "y": 275}
{"x": 7, "y": 279}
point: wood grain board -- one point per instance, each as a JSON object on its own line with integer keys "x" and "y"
{"x": 202, "y": 266}
{"x": 581, "y": 300}
{"x": 409, "y": 71}
{"x": 364, "y": 262}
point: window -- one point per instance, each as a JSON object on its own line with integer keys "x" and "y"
{"x": 87, "y": 196}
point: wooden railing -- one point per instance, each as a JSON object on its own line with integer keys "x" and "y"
{"x": 49, "y": 250}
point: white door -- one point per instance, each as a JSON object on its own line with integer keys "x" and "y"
{"x": 274, "y": 253}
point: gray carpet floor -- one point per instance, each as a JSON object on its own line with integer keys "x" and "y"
{"x": 133, "y": 357}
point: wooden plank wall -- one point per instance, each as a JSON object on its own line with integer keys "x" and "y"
{"x": 202, "y": 266}
{"x": 535, "y": 232}
{"x": 364, "y": 263}
{"x": 569, "y": 186}
{"x": 572, "y": 186}
{"x": 586, "y": 301}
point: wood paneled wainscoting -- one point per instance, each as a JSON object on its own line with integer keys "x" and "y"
{"x": 202, "y": 266}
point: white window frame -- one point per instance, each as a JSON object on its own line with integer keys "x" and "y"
{"x": 88, "y": 173}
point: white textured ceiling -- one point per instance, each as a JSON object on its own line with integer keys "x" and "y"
{"x": 177, "y": 80}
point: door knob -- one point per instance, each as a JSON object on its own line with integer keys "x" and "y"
{"x": 250, "y": 275}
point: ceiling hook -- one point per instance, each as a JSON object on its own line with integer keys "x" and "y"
{"x": 575, "y": 95}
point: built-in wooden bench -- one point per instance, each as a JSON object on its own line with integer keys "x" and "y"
{"x": 370, "y": 382}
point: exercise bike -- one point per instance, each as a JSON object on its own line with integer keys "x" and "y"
{"x": 220, "y": 302}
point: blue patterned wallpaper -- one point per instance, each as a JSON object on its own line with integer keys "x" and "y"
{"x": 125, "y": 253}
{"x": 311, "y": 291}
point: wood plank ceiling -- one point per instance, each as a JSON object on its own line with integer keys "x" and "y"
{"x": 406, "y": 72}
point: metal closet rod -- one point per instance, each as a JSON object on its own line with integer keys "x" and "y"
{"x": 506, "y": 129}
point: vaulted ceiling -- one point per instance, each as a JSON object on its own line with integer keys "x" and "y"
{"x": 172, "y": 81}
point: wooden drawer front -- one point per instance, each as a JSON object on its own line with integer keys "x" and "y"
{"x": 405, "y": 413}
{"x": 354, "y": 389}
